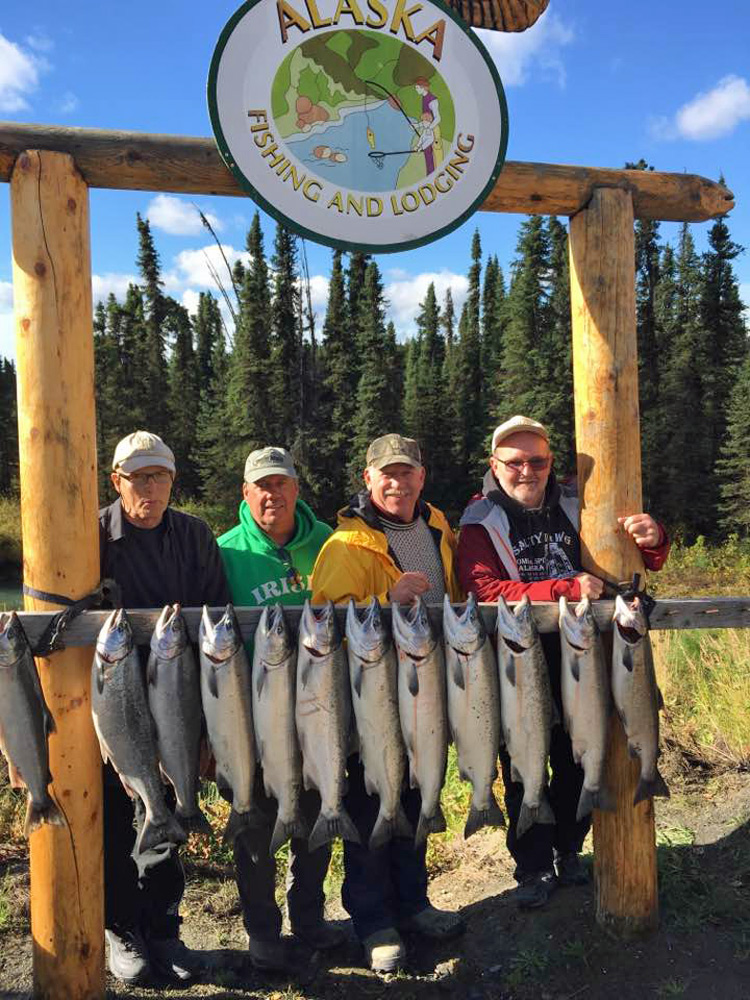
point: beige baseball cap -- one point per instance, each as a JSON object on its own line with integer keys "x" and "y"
{"x": 140, "y": 450}
{"x": 269, "y": 461}
{"x": 517, "y": 425}
{"x": 392, "y": 448}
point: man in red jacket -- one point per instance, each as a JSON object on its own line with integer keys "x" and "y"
{"x": 520, "y": 536}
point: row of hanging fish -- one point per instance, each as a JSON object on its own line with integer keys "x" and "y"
{"x": 302, "y": 706}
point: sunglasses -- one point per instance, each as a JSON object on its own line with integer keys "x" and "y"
{"x": 293, "y": 575}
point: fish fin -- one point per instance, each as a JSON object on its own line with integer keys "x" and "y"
{"x": 327, "y": 829}
{"x": 429, "y": 824}
{"x": 647, "y": 789}
{"x": 586, "y": 802}
{"x": 660, "y": 699}
{"x": 510, "y": 671}
{"x": 370, "y": 787}
{"x": 151, "y": 671}
{"x": 575, "y": 669}
{"x": 100, "y": 677}
{"x": 305, "y": 675}
{"x": 515, "y": 774}
{"x": 195, "y": 822}
{"x": 296, "y": 827}
{"x": 154, "y": 834}
{"x": 530, "y": 815}
{"x": 44, "y": 812}
{"x": 386, "y": 829}
{"x": 213, "y": 685}
{"x": 49, "y": 722}
{"x": 413, "y": 680}
{"x": 554, "y": 716}
{"x": 627, "y": 659}
{"x": 261, "y": 680}
{"x": 238, "y": 822}
{"x": 458, "y": 674}
{"x": 491, "y": 816}
{"x": 357, "y": 678}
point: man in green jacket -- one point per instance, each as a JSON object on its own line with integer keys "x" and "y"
{"x": 268, "y": 558}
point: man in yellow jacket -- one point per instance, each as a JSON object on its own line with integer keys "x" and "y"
{"x": 392, "y": 545}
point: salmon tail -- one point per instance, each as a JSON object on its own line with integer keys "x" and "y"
{"x": 238, "y": 822}
{"x": 194, "y": 822}
{"x": 530, "y": 815}
{"x": 327, "y": 828}
{"x": 429, "y": 824}
{"x": 154, "y": 834}
{"x": 648, "y": 788}
{"x": 295, "y": 827}
{"x": 491, "y": 816}
{"x": 386, "y": 829}
{"x": 38, "y": 813}
{"x": 597, "y": 798}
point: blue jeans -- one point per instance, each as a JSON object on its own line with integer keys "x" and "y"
{"x": 387, "y": 885}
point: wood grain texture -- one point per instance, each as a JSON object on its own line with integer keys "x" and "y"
{"x": 500, "y": 15}
{"x": 143, "y": 162}
{"x": 57, "y": 444}
{"x": 678, "y": 613}
{"x": 605, "y": 376}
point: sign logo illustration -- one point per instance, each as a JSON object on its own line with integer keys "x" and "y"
{"x": 376, "y": 127}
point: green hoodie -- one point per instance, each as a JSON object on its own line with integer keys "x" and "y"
{"x": 256, "y": 572}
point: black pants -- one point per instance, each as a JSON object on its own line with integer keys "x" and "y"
{"x": 389, "y": 884}
{"x": 140, "y": 890}
{"x": 534, "y": 851}
{"x": 256, "y": 879}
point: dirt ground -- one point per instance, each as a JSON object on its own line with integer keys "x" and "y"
{"x": 700, "y": 952}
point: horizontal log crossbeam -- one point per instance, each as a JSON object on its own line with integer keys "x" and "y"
{"x": 185, "y": 165}
{"x": 671, "y": 613}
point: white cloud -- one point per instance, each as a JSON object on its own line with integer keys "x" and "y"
{"x": 19, "y": 75}
{"x": 178, "y": 217}
{"x": 709, "y": 115}
{"x": 745, "y": 298}
{"x": 190, "y": 299}
{"x": 6, "y": 296}
{"x": 117, "y": 284}
{"x": 40, "y": 43}
{"x": 7, "y": 336}
{"x": 318, "y": 292}
{"x": 193, "y": 267}
{"x": 538, "y": 48}
{"x": 406, "y": 294}
{"x": 67, "y": 103}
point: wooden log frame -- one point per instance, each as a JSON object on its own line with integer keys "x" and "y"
{"x": 141, "y": 162}
{"x": 53, "y": 317}
{"x": 669, "y": 614}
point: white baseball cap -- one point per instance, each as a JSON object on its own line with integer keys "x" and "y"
{"x": 140, "y": 450}
{"x": 517, "y": 425}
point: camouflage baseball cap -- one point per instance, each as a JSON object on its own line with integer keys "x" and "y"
{"x": 269, "y": 462}
{"x": 392, "y": 448}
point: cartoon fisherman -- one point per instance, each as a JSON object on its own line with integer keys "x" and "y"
{"x": 430, "y": 140}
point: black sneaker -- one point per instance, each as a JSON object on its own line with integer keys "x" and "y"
{"x": 173, "y": 960}
{"x": 128, "y": 958}
{"x": 535, "y": 890}
{"x": 569, "y": 869}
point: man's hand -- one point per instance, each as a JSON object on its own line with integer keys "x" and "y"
{"x": 591, "y": 586}
{"x": 408, "y": 587}
{"x": 643, "y": 529}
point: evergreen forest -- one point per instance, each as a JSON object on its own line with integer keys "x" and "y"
{"x": 222, "y": 382}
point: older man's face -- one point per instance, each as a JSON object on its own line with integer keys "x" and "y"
{"x": 395, "y": 488}
{"x": 144, "y": 494}
{"x": 521, "y": 464}
{"x": 272, "y": 501}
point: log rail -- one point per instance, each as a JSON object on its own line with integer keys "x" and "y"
{"x": 669, "y": 614}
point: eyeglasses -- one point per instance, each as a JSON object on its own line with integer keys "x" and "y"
{"x": 536, "y": 464}
{"x": 293, "y": 575}
{"x": 140, "y": 479}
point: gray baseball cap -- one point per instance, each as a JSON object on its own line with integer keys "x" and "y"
{"x": 269, "y": 461}
{"x": 140, "y": 450}
{"x": 392, "y": 448}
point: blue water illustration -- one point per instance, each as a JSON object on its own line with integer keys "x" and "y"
{"x": 343, "y": 148}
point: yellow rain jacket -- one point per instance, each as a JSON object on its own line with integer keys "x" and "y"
{"x": 355, "y": 561}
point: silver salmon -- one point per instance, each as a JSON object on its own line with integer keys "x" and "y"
{"x": 587, "y": 701}
{"x": 636, "y": 695}
{"x": 473, "y": 709}
{"x": 25, "y": 722}
{"x": 274, "y": 693}
{"x": 526, "y": 708}
{"x": 123, "y": 723}
{"x": 422, "y": 709}
{"x": 323, "y": 714}
{"x": 227, "y": 706}
{"x": 373, "y": 677}
{"x": 174, "y": 698}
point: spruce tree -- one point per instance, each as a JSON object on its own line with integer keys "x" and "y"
{"x": 424, "y": 398}
{"x": 493, "y": 329}
{"x": 555, "y": 374}
{"x": 207, "y": 324}
{"x": 153, "y": 370}
{"x": 286, "y": 343}
{"x": 182, "y": 397}
{"x": 733, "y": 465}
{"x": 220, "y": 482}
{"x": 9, "y": 425}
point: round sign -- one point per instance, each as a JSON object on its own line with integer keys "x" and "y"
{"x": 374, "y": 125}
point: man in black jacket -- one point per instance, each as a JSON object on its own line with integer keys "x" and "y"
{"x": 156, "y": 556}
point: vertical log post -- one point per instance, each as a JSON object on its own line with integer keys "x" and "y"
{"x": 57, "y": 440}
{"x": 605, "y": 371}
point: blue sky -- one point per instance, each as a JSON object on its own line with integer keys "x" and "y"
{"x": 592, "y": 83}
